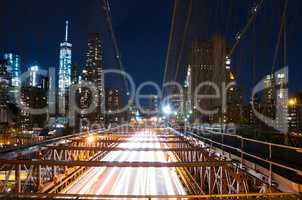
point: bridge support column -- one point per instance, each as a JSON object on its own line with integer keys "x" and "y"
{"x": 17, "y": 178}
{"x": 39, "y": 177}
{"x": 54, "y": 169}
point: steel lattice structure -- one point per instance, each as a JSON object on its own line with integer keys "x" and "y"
{"x": 49, "y": 169}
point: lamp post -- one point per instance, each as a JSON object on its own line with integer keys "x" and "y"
{"x": 167, "y": 111}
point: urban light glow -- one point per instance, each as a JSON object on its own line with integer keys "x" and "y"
{"x": 167, "y": 110}
{"x": 292, "y": 102}
{"x": 91, "y": 139}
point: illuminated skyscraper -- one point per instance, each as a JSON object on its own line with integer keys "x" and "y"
{"x": 208, "y": 62}
{"x": 64, "y": 73}
{"x": 276, "y": 96}
{"x": 33, "y": 75}
{"x": 4, "y": 86}
{"x": 14, "y": 65}
{"x": 94, "y": 72}
{"x": 113, "y": 102}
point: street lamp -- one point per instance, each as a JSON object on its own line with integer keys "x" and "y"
{"x": 292, "y": 102}
{"x": 167, "y": 110}
{"x": 91, "y": 139}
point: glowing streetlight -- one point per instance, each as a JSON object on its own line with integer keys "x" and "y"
{"x": 292, "y": 102}
{"x": 90, "y": 139}
{"x": 167, "y": 110}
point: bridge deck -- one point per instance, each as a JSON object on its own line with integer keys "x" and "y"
{"x": 130, "y": 181}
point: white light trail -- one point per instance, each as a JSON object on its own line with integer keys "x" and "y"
{"x": 131, "y": 181}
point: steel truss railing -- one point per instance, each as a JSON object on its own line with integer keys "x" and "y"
{"x": 265, "y": 158}
{"x": 57, "y": 165}
{"x": 150, "y": 197}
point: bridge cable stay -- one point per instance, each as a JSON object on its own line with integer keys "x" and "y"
{"x": 108, "y": 16}
{"x": 184, "y": 38}
{"x": 251, "y": 24}
{"x": 171, "y": 37}
{"x": 282, "y": 29}
{"x": 246, "y": 27}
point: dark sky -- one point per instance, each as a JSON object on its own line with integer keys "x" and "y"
{"x": 35, "y": 28}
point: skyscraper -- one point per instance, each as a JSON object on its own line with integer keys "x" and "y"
{"x": 14, "y": 69}
{"x": 33, "y": 75}
{"x": 276, "y": 96}
{"x": 94, "y": 72}
{"x": 113, "y": 103}
{"x": 4, "y": 86}
{"x": 64, "y": 73}
{"x": 75, "y": 74}
{"x": 207, "y": 63}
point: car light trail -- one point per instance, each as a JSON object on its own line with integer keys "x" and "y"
{"x": 131, "y": 181}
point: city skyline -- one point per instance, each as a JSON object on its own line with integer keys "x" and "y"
{"x": 150, "y": 99}
{"x": 133, "y": 65}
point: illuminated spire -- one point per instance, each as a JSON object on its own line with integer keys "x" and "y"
{"x": 66, "y": 32}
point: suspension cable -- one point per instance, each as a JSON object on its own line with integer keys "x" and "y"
{"x": 282, "y": 28}
{"x": 247, "y": 26}
{"x": 108, "y": 17}
{"x": 184, "y": 39}
{"x": 171, "y": 36}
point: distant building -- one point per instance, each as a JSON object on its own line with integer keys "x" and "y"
{"x": 208, "y": 62}
{"x": 153, "y": 105}
{"x": 113, "y": 103}
{"x": 33, "y": 77}
{"x": 75, "y": 73}
{"x": 4, "y": 89}
{"x": 64, "y": 76}
{"x": 93, "y": 74}
{"x": 299, "y": 112}
{"x": 275, "y": 96}
{"x": 14, "y": 70}
{"x": 234, "y": 100}
{"x": 295, "y": 113}
{"x": 33, "y": 97}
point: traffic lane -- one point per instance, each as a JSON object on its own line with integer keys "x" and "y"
{"x": 144, "y": 181}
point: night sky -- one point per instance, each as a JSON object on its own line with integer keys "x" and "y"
{"x": 36, "y": 28}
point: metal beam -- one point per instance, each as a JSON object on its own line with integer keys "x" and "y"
{"x": 142, "y": 136}
{"x": 198, "y": 196}
{"x": 114, "y": 163}
{"x": 74, "y": 148}
{"x": 135, "y": 141}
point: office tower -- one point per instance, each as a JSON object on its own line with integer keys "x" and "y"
{"x": 295, "y": 113}
{"x": 93, "y": 74}
{"x": 33, "y": 77}
{"x": 14, "y": 69}
{"x": 34, "y": 95}
{"x": 75, "y": 74}
{"x": 113, "y": 103}
{"x": 207, "y": 63}
{"x": 33, "y": 98}
{"x": 4, "y": 89}
{"x": 153, "y": 104}
{"x": 64, "y": 75}
{"x": 275, "y": 98}
{"x": 299, "y": 112}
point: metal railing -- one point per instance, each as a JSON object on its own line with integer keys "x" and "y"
{"x": 150, "y": 197}
{"x": 17, "y": 150}
{"x": 276, "y": 158}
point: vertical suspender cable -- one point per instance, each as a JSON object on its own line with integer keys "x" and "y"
{"x": 169, "y": 46}
{"x": 185, "y": 33}
{"x": 114, "y": 41}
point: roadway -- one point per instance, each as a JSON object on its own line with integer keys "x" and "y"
{"x": 131, "y": 181}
